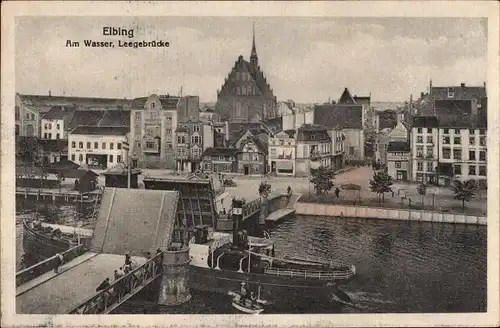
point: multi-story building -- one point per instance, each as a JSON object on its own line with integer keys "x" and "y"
{"x": 27, "y": 119}
{"x": 220, "y": 160}
{"x": 252, "y": 156}
{"x": 245, "y": 94}
{"x": 54, "y": 123}
{"x": 153, "y": 122}
{"x": 338, "y": 138}
{"x": 282, "y": 153}
{"x": 398, "y": 157}
{"x": 346, "y": 115}
{"x": 424, "y": 146}
{"x": 193, "y": 137}
{"x": 97, "y": 147}
{"x": 312, "y": 143}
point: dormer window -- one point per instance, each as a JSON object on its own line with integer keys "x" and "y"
{"x": 451, "y": 93}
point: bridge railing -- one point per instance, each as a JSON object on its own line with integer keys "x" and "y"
{"x": 120, "y": 290}
{"x": 46, "y": 265}
{"x": 307, "y": 274}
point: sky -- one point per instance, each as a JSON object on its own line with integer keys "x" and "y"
{"x": 304, "y": 59}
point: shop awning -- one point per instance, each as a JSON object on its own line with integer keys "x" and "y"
{"x": 284, "y": 165}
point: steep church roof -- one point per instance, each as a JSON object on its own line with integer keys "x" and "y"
{"x": 346, "y": 98}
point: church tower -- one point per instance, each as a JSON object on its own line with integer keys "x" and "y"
{"x": 254, "y": 60}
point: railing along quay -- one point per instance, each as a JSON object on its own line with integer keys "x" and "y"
{"x": 44, "y": 266}
{"x": 306, "y": 274}
{"x": 108, "y": 299}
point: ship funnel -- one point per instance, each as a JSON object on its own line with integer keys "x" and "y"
{"x": 237, "y": 216}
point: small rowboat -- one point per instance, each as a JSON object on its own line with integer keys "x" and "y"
{"x": 254, "y": 308}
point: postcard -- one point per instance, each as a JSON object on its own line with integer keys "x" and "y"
{"x": 250, "y": 163}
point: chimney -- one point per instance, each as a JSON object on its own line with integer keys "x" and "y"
{"x": 462, "y": 84}
{"x": 50, "y": 94}
{"x": 484, "y": 84}
{"x": 430, "y": 86}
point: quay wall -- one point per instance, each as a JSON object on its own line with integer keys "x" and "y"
{"x": 386, "y": 213}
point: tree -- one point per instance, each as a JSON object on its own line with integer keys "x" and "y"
{"x": 264, "y": 189}
{"x": 422, "y": 190}
{"x": 322, "y": 178}
{"x": 464, "y": 191}
{"x": 381, "y": 183}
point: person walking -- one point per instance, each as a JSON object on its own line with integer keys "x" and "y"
{"x": 337, "y": 192}
{"x": 59, "y": 262}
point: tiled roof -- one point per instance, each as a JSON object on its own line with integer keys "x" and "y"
{"x": 60, "y": 113}
{"x": 213, "y": 151}
{"x": 462, "y": 121}
{"x": 425, "y": 121}
{"x": 120, "y": 169}
{"x": 339, "y": 116}
{"x": 43, "y": 101}
{"x": 398, "y": 146}
{"x": 362, "y": 100}
{"x": 458, "y": 107}
{"x": 290, "y": 132}
{"x": 101, "y": 130}
{"x": 138, "y": 103}
{"x": 459, "y": 92}
{"x": 85, "y": 117}
{"x": 169, "y": 102}
{"x": 346, "y": 98}
{"x": 115, "y": 118}
{"x": 261, "y": 145}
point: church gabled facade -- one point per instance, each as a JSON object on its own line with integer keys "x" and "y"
{"x": 245, "y": 95}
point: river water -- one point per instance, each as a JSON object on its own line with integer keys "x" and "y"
{"x": 402, "y": 267}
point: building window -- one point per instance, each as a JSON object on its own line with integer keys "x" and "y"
{"x": 137, "y": 144}
{"x": 429, "y": 130}
{"x": 137, "y": 116}
{"x": 50, "y": 135}
{"x": 50, "y": 126}
{"x": 457, "y": 131}
{"x": 118, "y": 145}
{"x": 420, "y": 177}
{"x": 150, "y": 145}
{"x": 73, "y": 144}
{"x": 111, "y": 145}
{"x": 482, "y": 155}
{"x": 351, "y": 150}
{"x": 73, "y": 157}
{"x": 419, "y": 130}
{"x": 446, "y": 153}
{"x": 472, "y": 155}
{"x": 472, "y": 141}
{"x": 420, "y": 151}
{"x": 420, "y": 166}
{"x": 457, "y": 169}
{"x": 446, "y": 140}
{"x": 482, "y": 141}
{"x": 429, "y": 139}
{"x": 58, "y": 126}
{"x": 196, "y": 128}
{"x": 96, "y": 145}
{"x": 255, "y": 157}
{"x": 471, "y": 131}
{"x": 196, "y": 139}
{"x": 482, "y": 132}
{"x": 472, "y": 170}
{"x": 80, "y": 144}
{"x": 168, "y": 132}
{"x": 429, "y": 167}
{"x": 111, "y": 158}
{"x": 430, "y": 152}
{"x": 119, "y": 158}
{"x": 168, "y": 145}
{"x": 451, "y": 93}
{"x": 88, "y": 145}
{"x": 446, "y": 131}
{"x": 420, "y": 139}
{"x": 45, "y": 135}
{"x": 58, "y": 136}
{"x": 457, "y": 141}
{"x": 103, "y": 145}
{"x": 457, "y": 154}
{"x": 397, "y": 164}
{"x": 482, "y": 170}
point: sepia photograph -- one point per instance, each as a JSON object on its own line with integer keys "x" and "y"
{"x": 271, "y": 165}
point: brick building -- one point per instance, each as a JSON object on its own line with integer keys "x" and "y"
{"x": 245, "y": 94}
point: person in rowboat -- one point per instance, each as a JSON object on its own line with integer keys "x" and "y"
{"x": 243, "y": 292}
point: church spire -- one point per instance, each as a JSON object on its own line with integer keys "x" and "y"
{"x": 254, "y": 60}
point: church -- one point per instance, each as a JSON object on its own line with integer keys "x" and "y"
{"x": 245, "y": 95}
